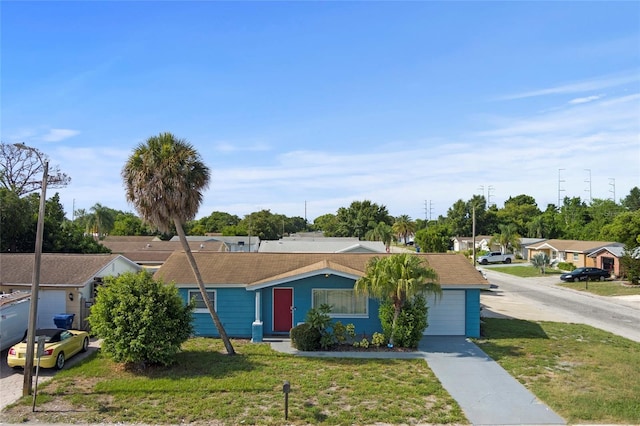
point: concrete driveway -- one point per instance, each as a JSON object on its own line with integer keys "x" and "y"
{"x": 11, "y": 381}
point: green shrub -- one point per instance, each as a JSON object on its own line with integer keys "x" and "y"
{"x": 378, "y": 339}
{"x": 411, "y": 322}
{"x": 566, "y": 266}
{"x": 140, "y": 320}
{"x": 304, "y": 337}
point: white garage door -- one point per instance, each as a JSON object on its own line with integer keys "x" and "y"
{"x": 447, "y": 314}
{"x": 50, "y": 303}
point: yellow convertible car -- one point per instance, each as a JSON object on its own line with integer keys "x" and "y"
{"x": 59, "y": 345}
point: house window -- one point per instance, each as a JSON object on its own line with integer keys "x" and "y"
{"x": 554, "y": 254}
{"x": 343, "y": 302}
{"x": 196, "y": 296}
{"x": 576, "y": 257}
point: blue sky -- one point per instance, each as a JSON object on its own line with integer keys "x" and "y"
{"x": 324, "y": 103}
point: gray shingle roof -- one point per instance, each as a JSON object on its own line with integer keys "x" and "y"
{"x": 74, "y": 270}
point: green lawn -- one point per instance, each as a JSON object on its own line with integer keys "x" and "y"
{"x": 604, "y": 288}
{"x": 584, "y": 374}
{"x": 523, "y": 271}
{"x": 208, "y": 387}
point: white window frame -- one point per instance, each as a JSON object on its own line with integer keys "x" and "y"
{"x": 196, "y": 293}
{"x": 338, "y": 314}
{"x": 576, "y": 257}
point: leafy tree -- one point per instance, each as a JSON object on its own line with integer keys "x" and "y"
{"x": 129, "y": 224}
{"x": 573, "y": 217}
{"x": 508, "y": 238}
{"x": 382, "y": 232}
{"x": 632, "y": 201}
{"x": 434, "y": 239}
{"x": 519, "y": 211}
{"x": 359, "y": 218}
{"x": 214, "y": 223}
{"x": 22, "y": 167}
{"x": 140, "y": 320}
{"x": 404, "y": 227}
{"x": 540, "y": 261}
{"x": 164, "y": 179}
{"x": 459, "y": 219}
{"x": 327, "y": 223}
{"x": 263, "y": 224}
{"x": 625, "y": 228}
{"x": 399, "y": 278}
{"x": 16, "y": 221}
{"x": 630, "y": 262}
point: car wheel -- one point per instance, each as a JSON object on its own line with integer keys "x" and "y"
{"x": 601, "y": 278}
{"x": 60, "y": 361}
{"x": 85, "y": 344}
{"x": 574, "y": 280}
{"x": 484, "y": 261}
{"x": 507, "y": 260}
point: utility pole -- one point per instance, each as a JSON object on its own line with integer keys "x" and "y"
{"x": 473, "y": 231}
{"x": 560, "y": 189}
{"x": 430, "y": 210}
{"x": 612, "y": 184}
{"x": 35, "y": 285}
{"x": 588, "y": 180}
{"x": 426, "y": 217}
{"x": 489, "y": 189}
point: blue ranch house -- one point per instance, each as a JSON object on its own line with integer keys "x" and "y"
{"x": 266, "y": 294}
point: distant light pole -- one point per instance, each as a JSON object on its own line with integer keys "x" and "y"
{"x": 35, "y": 285}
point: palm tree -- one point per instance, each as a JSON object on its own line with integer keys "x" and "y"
{"x": 507, "y": 238}
{"x": 382, "y": 232}
{"x": 164, "y": 178}
{"x": 100, "y": 221}
{"x": 398, "y": 277}
{"x": 403, "y": 227}
{"x": 540, "y": 261}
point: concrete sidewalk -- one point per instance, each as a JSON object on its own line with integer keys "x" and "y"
{"x": 487, "y": 394}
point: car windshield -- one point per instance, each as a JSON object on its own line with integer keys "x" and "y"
{"x": 578, "y": 271}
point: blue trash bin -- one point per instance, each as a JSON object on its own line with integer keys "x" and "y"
{"x": 63, "y": 320}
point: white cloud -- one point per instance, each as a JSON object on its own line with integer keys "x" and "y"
{"x": 57, "y": 135}
{"x": 228, "y": 147}
{"x": 585, "y": 99}
{"x": 580, "y": 86}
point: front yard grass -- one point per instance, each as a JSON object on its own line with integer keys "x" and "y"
{"x": 206, "y": 386}
{"x": 603, "y": 288}
{"x": 523, "y": 271}
{"x": 584, "y": 374}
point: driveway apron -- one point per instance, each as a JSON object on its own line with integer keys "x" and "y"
{"x": 487, "y": 394}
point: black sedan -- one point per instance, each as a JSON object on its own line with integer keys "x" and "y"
{"x": 584, "y": 274}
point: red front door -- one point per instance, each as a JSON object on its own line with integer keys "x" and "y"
{"x": 282, "y": 309}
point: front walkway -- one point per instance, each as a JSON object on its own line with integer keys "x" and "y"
{"x": 487, "y": 394}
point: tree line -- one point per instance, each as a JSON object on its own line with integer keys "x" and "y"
{"x": 603, "y": 220}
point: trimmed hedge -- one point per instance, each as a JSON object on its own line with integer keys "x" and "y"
{"x": 305, "y": 338}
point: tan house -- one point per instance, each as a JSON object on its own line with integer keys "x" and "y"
{"x": 67, "y": 281}
{"x": 571, "y": 251}
{"x": 483, "y": 242}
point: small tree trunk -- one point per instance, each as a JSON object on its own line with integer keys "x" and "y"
{"x": 203, "y": 291}
{"x": 396, "y": 314}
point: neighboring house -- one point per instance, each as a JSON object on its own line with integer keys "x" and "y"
{"x": 233, "y": 243}
{"x": 571, "y": 251}
{"x": 67, "y": 281}
{"x": 608, "y": 258}
{"x": 483, "y": 242}
{"x": 525, "y": 243}
{"x": 268, "y": 293}
{"x": 151, "y": 252}
{"x": 321, "y": 245}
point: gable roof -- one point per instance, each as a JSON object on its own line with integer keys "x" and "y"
{"x": 56, "y": 269}
{"x": 254, "y": 270}
{"x": 574, "y": 246}
{"x": 470, "y": 239}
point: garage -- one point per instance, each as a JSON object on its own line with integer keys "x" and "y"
{"x": 50, "y": 303}
{"x": 447, "y": 314}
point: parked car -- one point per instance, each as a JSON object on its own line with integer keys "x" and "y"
{"x": 496, "y": 257}
{"x": 59, "y": 345}
{"x": 584, "y": 274}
